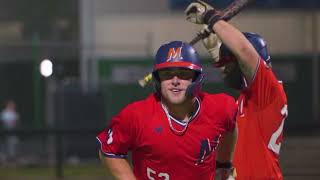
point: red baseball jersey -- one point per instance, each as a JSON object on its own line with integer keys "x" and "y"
{"x": 261, "y": 114}
{"x": 159, "y": 149}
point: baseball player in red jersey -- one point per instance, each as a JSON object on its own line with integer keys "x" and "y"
{"x": 175, "y": 132}
{"x": 262, "y": 104}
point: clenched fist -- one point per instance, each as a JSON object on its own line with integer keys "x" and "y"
{"x": 202, "y": 13}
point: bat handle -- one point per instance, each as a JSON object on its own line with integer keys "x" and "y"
{"x": 143, "y": 82}
{"x": 200, "y": 36}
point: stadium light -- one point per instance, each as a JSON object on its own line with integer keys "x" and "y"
{"x": 46, "y": 67}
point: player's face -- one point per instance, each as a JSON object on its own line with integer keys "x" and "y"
{"x": 232, "y": 75}
{"x": 174, "y": 83}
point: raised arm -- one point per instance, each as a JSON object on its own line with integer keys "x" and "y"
{"x": 202, "y": 13}
{"x": 238, "y": 44}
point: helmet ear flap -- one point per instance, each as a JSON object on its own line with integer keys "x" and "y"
{"x": 195, "y": 86}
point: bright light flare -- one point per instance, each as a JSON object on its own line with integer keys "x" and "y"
{"x": 46, "y": 68}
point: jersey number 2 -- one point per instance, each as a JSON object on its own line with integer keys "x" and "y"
{"x": 273, "y": 146}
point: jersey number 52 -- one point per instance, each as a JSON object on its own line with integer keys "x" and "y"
{"x": 152, "y": 173}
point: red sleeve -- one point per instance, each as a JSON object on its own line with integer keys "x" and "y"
{"x": 232, "y": 109}
{"x": 264, "y": 86}
{"x": 118, "y": 138}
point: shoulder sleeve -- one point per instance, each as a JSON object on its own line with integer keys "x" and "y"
{"x": 264, "y": 87}
{"x": 118, "y": 138}
{"x": 221, "y": 109}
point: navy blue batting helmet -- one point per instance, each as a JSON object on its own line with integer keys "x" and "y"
{"x": 178, "y": 54}
{"x": 225, "y": 55}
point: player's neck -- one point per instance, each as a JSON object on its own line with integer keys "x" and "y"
{"x": 182, "y": 112}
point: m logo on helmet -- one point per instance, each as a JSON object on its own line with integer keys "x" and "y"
{"x": 174, "y": 54}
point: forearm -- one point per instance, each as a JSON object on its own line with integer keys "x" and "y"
{"x": 119, "y": 168}
{"x": 247, "y": 56}
{"x": 226, "y": 147}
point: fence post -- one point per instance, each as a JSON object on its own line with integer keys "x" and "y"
{"x": 58, "y": 131}
{"x": 38, "y": 101}
{"x": 315, "y": 68}
{"x": 59, "y": 155}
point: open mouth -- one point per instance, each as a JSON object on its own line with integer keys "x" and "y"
{"x": 175, "y": 90}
